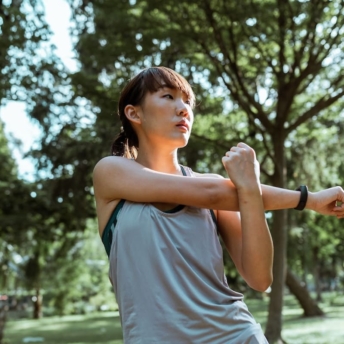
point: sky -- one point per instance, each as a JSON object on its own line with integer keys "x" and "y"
{"x": 17, "y": 123}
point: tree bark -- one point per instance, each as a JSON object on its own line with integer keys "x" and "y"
{"x": 310, "y": 307}
{"x": 273, "y": 331}
{"x": 37, "y": 305}
{"x": 274, "y": 323}
{"x": 316, "y": 273}
{"x": 3, "y": 311}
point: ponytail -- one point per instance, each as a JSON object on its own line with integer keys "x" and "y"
{"x": 124, "y": 145}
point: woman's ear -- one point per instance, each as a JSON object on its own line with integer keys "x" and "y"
{"x": 133, "y": 114}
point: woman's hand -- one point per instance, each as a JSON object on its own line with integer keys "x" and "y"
{"x": 242, "y": 166}
{"x": 327, "y": 202}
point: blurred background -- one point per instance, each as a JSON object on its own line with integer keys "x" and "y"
{"x": 268, "y": 73}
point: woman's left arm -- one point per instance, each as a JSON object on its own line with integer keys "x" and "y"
{"x": 247, "y": 238}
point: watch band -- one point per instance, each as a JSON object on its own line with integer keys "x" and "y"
{"x": 303, "y": 197}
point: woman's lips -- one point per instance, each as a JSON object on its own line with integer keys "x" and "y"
{"x": 183, "y": 125}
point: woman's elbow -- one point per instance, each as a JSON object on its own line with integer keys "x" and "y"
{"x": 263, "y": 284}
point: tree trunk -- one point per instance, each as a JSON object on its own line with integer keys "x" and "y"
{"x": 310, "y": 307}
{"x": 3, "y": 311}
{"x": 37, "y": 305}
{"x": 274, "y": 324}
{"x": 316, "y": 273}
{"x": 273, "y": 331}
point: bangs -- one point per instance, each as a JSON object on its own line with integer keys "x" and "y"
{"x": 157, "y": 77}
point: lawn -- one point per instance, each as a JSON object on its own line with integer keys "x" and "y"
{"x": 104, "y": 328}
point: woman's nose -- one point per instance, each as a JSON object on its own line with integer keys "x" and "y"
{"x": 182, "y": 109}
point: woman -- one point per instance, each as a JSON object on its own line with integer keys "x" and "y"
{"x": 165, "y": 257}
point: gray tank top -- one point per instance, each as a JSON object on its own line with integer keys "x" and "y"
{"x": 168, "y": 276}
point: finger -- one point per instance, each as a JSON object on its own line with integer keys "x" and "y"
{"x": 340, "y": 195}
{"x": 339, "y": 206}
{"x": 232, "y": 151}
{"x": 226, "y": 159}
{"x": 247, "y": 148}
{"x": 243, "y": 145}
{"x": 235, "y": 149}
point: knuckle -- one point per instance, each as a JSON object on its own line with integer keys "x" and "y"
{"x": 339, "y": 189}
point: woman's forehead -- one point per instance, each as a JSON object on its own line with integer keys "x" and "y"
{"x": 164, "y": 88}
{"x": 155, "y": 79}
{"x": 186, "y": 92}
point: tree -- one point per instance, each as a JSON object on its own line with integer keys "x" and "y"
{"x": 280, "y": 63}
{"x": 7, "y": 173}
{"x": 315, "y": 247}
{"x": 16, "y": 195}
{"x": 37, "y": 212}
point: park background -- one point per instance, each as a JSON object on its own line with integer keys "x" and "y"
{"x": 268, "y": 73}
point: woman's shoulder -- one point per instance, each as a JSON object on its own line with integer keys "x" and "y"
{"x": 113, "y": 164}
{"x": 112, "y": 161}
{"x": 110, "y": 173}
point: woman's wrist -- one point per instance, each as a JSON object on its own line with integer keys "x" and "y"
{"x": 250, "y": 196}
{"x": 310, "y": 201}
{"x": 249, "y": 188}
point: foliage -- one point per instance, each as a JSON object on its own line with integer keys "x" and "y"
{"x": 315, "y": 242}
{"x": 266, "y": 73}
{"x": 16, "y": 194}
{"x": 40, "y": 232}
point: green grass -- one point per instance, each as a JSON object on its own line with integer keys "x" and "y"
{"x": 299, "y": 330}
{"x": 101, "y": 328}
{"x": 104, "y": 328}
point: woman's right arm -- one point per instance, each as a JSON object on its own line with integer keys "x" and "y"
{"x": 121, "y": 178}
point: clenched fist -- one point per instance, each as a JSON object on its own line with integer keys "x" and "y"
{"x": 242, "y": 166}
{"x": 328, "y": 202}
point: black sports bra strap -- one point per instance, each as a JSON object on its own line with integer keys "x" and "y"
{"x": 183, "y": 170}
{"x": 108, "y": 231}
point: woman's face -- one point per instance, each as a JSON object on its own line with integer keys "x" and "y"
{"x": 166, "y": 117}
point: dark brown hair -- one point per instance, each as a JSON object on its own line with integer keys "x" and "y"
{"x": 148, "y": 80}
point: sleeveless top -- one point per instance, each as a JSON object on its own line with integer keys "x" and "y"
{"x": 168, "y": 275}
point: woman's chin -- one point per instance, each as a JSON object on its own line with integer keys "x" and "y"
{"x": 184, "y": 143}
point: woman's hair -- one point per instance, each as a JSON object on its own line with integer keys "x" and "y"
{"x": 148, "y": 80}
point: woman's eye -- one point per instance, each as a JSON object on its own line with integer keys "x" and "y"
{"x": 168, "y": 96}
{"x": 188, "y": 101}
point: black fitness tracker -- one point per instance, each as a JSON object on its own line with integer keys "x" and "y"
{"x": 303, "y": 197}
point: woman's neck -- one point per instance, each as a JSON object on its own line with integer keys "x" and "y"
{"x": 157, "y": 160}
